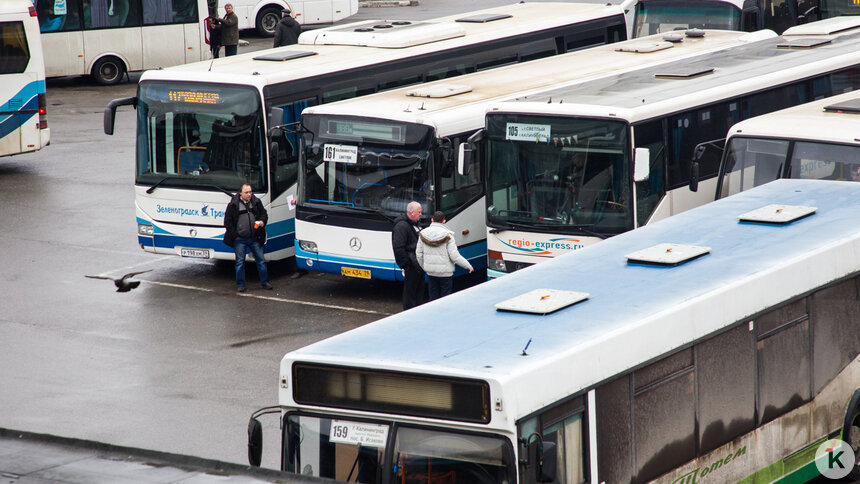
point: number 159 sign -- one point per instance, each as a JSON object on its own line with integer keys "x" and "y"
{"x": 365, "y": 434}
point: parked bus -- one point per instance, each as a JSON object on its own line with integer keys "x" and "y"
{"x": 106, "y": 39}
{"x": 719, "y": 345}
{"x": 657, "y": 16}
{"x": 23, "y": 120}
{"x": 363, "y": 160}
{"x": 264, "y": 15}
{"x": 571, "y": 166}
{"x": 814, "y": 140}
{"x": 204, "y": 129}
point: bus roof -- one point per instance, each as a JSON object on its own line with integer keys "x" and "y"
{"x": 634, "y": 312}
{"x": 243, "y": 68}
{"x": 810, "y": 121}
{"x": 683, "y": 84}
{"x": 472, "y": 91}
{"x": 15, "y": 6}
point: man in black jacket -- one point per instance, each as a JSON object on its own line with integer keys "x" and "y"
{"x": 244, "y": 221}
{"x": 404, "y": 238}
{"x": 287, "y": 31}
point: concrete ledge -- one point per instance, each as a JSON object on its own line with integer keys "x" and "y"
{"x": 387, "y": 3}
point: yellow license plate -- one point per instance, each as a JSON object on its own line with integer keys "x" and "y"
{"x": 353, "y": 272}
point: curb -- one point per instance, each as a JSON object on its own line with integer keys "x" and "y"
{"x": 387, "y": 3}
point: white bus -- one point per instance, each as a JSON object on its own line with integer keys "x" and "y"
{"x": 574, "y": 165}
{"x": 657, "y": 16}
{"x": 203, "y": 129}
{"x": 23, "y": 120}
{"x": 107, "y": 38}
{"x": 363, "y": 160}
{"x": 264, "y": 15}
{"x": 713, "y": 346}
{"x": 816, "y": 140}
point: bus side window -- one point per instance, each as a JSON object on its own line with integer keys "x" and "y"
{"x": 14, "y": 51}
{"x": 285, "y": 163}
{"x": 563, "y": 425}
{"x": 834, "y": 312}
{"x": 784, "y": 365}
{"x": 52, "y": 18}
{"x": 458, "y": 190}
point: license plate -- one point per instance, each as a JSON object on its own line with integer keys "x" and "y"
{"x": 195, "y": 253}
{"x": 353, "y": 272}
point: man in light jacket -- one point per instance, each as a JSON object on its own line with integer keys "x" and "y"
{"x": 437, "y": 253}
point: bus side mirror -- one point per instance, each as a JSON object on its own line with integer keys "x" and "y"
{"x": 255, "y": 442}
{"x": 276, "y": 116}
{"x": 466, "y": 154}
{"x": 641, "y": 164}
{"x": 110, "y": 112}
{"x": 543, "y": 460}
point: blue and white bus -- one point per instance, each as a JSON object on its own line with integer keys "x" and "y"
{"x": 717, "y": 345}
{"x": 203, "y": 129}
{"x": 363, "y": 160}
{"x": 23, "y": 108}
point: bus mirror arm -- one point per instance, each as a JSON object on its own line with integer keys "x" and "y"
{"x": 255, "y": 435}
{"x": 110, "y": 112}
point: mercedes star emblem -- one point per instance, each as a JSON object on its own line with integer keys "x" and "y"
{"x": 355, "y": 244}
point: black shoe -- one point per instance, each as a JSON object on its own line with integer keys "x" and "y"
{"x": 297, "y": 274}
{"x": 240, "y": 289}
{"x": 267, "y": 286}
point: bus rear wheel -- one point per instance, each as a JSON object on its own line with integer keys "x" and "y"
{"x": 267, "y": 20}
{"x": 108, "y": 70}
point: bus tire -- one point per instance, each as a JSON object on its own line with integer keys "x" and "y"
{"x": 267, "y": 20}
{"x": 108, "y": 70}
{"x": 851, "y": 434}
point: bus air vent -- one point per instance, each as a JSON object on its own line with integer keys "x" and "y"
{"x": 777, "y": 214}
{"x": 804, "y": 43}
{"x": 285, "y": 55}
{"x": 541, "y": 301}
{"x": 644, "y": 47}
{"x": 383, "y": 34}
{"x": 682, "y": 72}
{"x": 667, "y": 254}
{"x": 484, "y": 18}
{"x": 849, "y": 106}
{"x": 828, "y": 26}
{"x": 439, "y": 91}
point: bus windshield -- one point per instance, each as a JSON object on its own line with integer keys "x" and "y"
{"x": 750, "y": 162}
{"x": 563, "y": 175}
{"x": 367, "y": 164}
{"x": 656, "y": 17}
{"x": 353, "y": 451}
{"x": 206, "y": 136}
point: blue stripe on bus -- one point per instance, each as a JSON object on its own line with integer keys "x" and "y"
{"x": 475, "y": 253}
{"x": 24, "y": 112}
{"x": 277, "y": 238}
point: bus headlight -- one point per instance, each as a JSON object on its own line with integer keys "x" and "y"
{"x": 308, "y": 246}
{"x": 495, "y": 261}
{"x": 145, "y": 229}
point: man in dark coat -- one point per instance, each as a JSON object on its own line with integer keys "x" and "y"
{"x": 404, "y": 239}
{"x": 230, "y": 31}
{"x": 287, "y": 31}
{"x": 244, "y": 223}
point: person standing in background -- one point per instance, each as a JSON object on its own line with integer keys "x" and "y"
{"x": 287, "y": 31}
{"x": 230, "y": 31}
{"x": 213, "y": 26}
{"x": 437, "y": 253}
{"x": 404, "y": 238}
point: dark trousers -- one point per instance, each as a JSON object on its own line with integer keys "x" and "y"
{"x": 230, "y": 50}
{"x": 413, "y": 287}
{"x": 439, "y": 286}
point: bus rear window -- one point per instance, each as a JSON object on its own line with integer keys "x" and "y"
{"x": 14, "y": 51}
